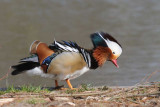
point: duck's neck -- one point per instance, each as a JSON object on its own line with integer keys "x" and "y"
{"x": 100, "y": 54}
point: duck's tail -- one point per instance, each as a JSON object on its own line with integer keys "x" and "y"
{"x": 22, "y": 67}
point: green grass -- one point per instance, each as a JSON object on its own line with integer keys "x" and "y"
{"x": 30, "y": 88}
{"x": 83, "y": 88}
{"x": 32, "y": 101}
{"x": 86, "y": 87}
{"x": 35, "y": 101}
{"x": 24, "y": 88}
{"x": 38, "y": 89}
{"x": 2, "y": 92}
{"x": 70, "y": 91}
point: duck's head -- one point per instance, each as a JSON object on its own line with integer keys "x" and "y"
{"x": 105, "y": 48}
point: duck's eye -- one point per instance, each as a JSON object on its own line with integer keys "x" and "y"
{"x": 113, "y": 52}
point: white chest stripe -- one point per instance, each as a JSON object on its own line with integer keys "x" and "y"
{"x": 87, "y": 57}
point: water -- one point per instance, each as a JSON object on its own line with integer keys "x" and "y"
{"x": 134, "y": 23}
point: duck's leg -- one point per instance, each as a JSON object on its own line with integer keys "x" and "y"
{"x": 56, "y": 83}
{"x": 69, "y": 83}
{"x": 57, "y": 86}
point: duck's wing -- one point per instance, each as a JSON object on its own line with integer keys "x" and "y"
{"x": 65, "y": 46}
{"x": 72, "y": 47}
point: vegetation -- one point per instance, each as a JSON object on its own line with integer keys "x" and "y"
{"x": 147, "y": 94}
{"x": 35, "y": 101}
{"x": 82, "y": 88}
{"x": 25, "y": 88}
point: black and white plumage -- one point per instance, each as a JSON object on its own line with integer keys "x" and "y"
{"x": 59, "y": 48}
{"x": 73, "y": 47}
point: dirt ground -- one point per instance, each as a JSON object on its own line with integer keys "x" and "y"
{"x": 147, "y": 95}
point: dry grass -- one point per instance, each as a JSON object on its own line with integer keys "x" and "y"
{"x": 139, "y": 95}
{"x": 146, "y": 94}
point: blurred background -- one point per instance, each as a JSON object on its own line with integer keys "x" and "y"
{"x": 134, "y": 23}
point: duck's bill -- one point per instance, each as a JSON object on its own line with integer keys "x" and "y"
{"x": 114, "y": 61}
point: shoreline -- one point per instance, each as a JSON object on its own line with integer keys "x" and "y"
{"x": 140, "y": 95}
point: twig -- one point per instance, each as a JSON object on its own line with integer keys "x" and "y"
{"x": 144, "y": 95}
{"x": 92, "y": 94}
{"x": 76, "y": 95}
{"x": 137, "y": 95}
{"x": 22, "y": 95}
{"x": 151, "y": 75}
{"x": 6, "y": 75}
{"x": 147, "y": 77}
{"x": 133, "y": 101}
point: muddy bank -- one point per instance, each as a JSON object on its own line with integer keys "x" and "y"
{"x": 138, "y": 95}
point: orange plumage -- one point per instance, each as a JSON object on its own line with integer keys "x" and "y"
{"x": 101, "y": 54}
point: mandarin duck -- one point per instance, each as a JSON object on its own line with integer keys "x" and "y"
{"x": 67, "y": 60}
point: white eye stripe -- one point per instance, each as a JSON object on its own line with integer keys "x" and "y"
{"x": 101, "y": 36}
{"x": 107, "y": 41}
{"x": 113, "y": 46}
